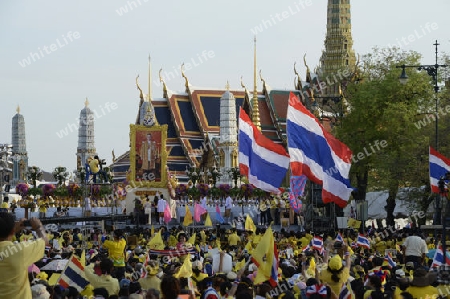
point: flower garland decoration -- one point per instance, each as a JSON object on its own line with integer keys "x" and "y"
{"x": 246, "y": 190}
{"x": 48, "y": 189}
{"x": 181, "y": 190}
{"x": 224, "y": 189}
{"x": 74, "y": 190}
{"x": 22, "y": 189}
{"x": 203, "y": 189}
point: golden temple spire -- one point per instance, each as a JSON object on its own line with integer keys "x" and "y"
{"x": 185, "y": 78}
{"x": 255, "y": 109}
{"x": 227, "y": 86}
{"x": 86, "y": 102}
{"x": 149, "y": 97}
{"x": 18, "y": 109}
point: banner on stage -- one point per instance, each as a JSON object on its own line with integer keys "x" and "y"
{"x": 148, "y": 156}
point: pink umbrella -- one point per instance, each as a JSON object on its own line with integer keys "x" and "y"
{"x": 34, "y": 268}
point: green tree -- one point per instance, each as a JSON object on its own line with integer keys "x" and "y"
{"x": 379, "y": 126}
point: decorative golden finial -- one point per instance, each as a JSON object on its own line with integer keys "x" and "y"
{"x": 86, "y": 102}
{"x": 113, "y": 156}
{"x": 149, "y": 96}
{"x": 162, "y": 81}
{"x": 227, "y": 86}
{"x": 295, "y": 69}
{"x": 242, "y": 84}
{"x": 308, "y": 72}
{"x": 141, "y": 95}
{"x": 160, "y": 76}
{"x": 184, "y": 76}
{"x": 255, "y": 108}
{"x": 18, "y": 109}
{"x": 298, "y": 84}
{"x": 261, "y": 78}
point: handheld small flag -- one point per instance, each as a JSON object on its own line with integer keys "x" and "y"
{"x": 363, "y": 242}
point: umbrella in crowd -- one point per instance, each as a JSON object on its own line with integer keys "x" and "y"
{"x": 56, "y": 265}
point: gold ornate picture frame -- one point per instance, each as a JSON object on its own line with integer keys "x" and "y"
{"x": 148, "y": 156}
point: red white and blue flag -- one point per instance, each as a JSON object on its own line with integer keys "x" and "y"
{"x": 388, "y": 258}
{"x": 363, "y": 241}
{"x": 439, "y": 166}
{"x": 339, "y": 238}
{"x": 74, "y": 275}
{"x": 317, "y": 154}
{"x": 264, "y": 162}
{"x": 345, "y": 292}
{"x": 318, "y": 244}
{"x": 273, "y": 280}
{"x": 438, "y": 259}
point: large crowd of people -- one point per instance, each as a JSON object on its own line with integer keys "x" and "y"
{"x": 213, "y": 263}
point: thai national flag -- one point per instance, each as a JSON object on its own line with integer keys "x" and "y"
{"x": 264, "y": 162}
{"x": 317, "y": 154}
{"x": 274, "y": 271}
{"x": 438, "y": 259}
{"x": 439, "y": 166}
{"x": 318, "y": 244}
{"x": 339, "y": 238}
{"x": 388, "y": 258}
{"x": 345, "y": 292}
{"x": 307, "y": 247}
{"x": 363, "y": 241}
{"x": 74, "y": 275}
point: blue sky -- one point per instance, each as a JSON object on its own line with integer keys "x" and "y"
{"x": 95, "y": 49}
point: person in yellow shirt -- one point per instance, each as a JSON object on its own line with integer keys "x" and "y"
{"x": 105, "y": 280}
{"x": 197, "y": 275}
{"x": 42, "y": 209}
{"x": 16, "y": 258}
{"x": 336, "y": 274}
{"x": 151, "y": 281}
{"x": 5, "y": 205}
{"x": 116, "y": 252}
{"x": 233, "y": 239}
{"x": 380, "y": 245}
{"x": 420, "y": 285}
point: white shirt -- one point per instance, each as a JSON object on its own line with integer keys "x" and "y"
{"x": 415, "y": 246}
{"x": 161, "y": 205}
{"x": 87, "y": 204}
{"x": 228, "y": 203}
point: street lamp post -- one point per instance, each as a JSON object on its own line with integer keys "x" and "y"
{"x": 432, "y": 71}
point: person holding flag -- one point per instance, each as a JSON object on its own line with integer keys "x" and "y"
{"x": 336, "y": 274}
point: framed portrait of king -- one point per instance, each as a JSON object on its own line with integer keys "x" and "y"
{"x": 148, "y": 155}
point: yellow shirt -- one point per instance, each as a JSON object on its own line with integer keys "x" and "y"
{"x": 116, "y": 251}
{"x": 325, "y": 276}
{"x": 108, "y": 282}
{"x": 14, "y": 262}
{"x": 4, "y": 205}
{"x": 427, "y": 292}
{"x": 381, "y": 247}
{"x": 94, "y": 165}
{"x": 233, "y": 239}
{"x": 196, "y": 279}
{"x": 150, "y": 282}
